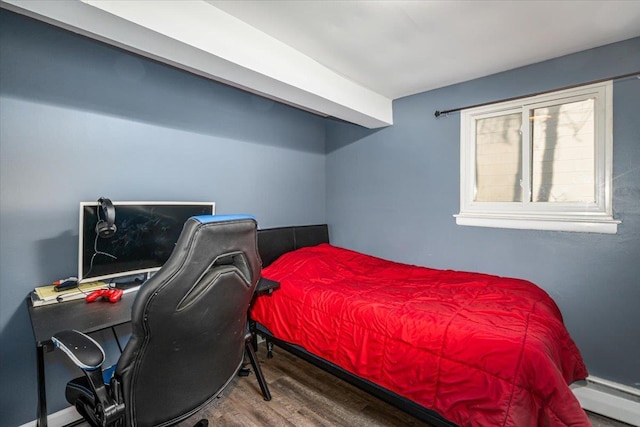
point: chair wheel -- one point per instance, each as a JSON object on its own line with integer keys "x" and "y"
{"x": 244, "y": 372}
{"x": 202, "y": 423}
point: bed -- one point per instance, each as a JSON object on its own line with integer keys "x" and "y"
{"x": 449, "y": 347}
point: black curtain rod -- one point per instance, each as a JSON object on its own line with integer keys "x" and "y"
{"x": 438, "y": 113}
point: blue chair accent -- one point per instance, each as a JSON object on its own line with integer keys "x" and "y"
{"x": 206, "y": 219}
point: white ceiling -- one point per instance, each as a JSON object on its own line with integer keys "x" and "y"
{"x": 400, "y": 48}
{"x": 344, "y": 58}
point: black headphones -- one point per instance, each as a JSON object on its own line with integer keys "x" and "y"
{"x": 106, "y": 227}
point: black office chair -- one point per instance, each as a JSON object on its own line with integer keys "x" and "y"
{"x": 189, "y": 332}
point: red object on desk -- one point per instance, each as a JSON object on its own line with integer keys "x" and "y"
{"x": 113, "y": 295}
{"x": 64, "y": 284}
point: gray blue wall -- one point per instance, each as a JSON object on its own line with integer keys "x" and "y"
{"x": 393, "y": 193}
{"x": 80, "y": 120}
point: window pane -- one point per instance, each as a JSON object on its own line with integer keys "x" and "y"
{"x": 563, "y": 160}
{"x": 499, "y": 159}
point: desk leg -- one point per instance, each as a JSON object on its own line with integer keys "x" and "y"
{"x": 42, "y": 392}
{"x": 113, "y": 330}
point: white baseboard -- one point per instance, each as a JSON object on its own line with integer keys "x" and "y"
{"x": 609, "y": 399}
{"x": 59, "y": 419}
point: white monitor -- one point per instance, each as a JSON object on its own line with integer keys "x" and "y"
{"x": 146, "y": 233}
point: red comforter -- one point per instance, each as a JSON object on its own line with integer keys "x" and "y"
{"x": 480, "y": 350}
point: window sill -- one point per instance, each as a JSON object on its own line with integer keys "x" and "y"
{"x": 573, "y": 224}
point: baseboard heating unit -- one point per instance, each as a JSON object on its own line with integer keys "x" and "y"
{"x": 609, "y": 399}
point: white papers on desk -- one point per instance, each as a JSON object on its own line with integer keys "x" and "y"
{"x": 45, "y": 295}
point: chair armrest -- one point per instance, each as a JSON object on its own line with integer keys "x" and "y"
{"x": 266, "y": 286}
{"x": 81, "y": 349}
{"x": 89, "y": 356}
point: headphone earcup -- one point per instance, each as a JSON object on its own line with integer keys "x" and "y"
{"x": 105, "y": 230}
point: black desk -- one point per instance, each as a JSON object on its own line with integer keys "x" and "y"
{"x": 79, "y": 315}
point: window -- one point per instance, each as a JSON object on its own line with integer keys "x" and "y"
{"x": 543, "y": 162}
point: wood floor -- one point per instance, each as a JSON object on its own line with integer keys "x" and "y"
{"x": 302, "y": 395}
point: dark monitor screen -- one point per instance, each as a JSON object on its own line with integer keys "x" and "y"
{"x": 146, "y": 233}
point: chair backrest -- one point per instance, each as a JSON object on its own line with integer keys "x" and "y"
{"x": 189, "y": 321}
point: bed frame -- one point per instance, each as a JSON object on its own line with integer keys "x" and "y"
{"x": 274, "y": 242}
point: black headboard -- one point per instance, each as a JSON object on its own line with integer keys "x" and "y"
{"x": 273, "y": 242}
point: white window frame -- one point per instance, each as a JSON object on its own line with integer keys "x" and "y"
{"x": 578, "y": 217}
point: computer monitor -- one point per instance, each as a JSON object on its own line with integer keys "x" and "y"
{"x": 146, "y": 233}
